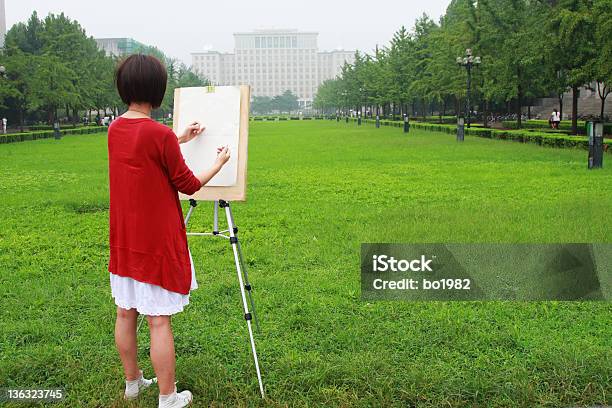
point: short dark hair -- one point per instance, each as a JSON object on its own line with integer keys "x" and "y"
{"x": 141, "y": 78}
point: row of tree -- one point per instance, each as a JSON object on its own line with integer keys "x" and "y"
{"x": 529, "y": 49}
{"x": 284, "y": 103}
{"x": 54, "y": 71}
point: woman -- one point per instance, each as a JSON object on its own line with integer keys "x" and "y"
{"x": 151, "y": 271}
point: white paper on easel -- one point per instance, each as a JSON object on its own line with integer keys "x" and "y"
{"x": 219, "y": 112}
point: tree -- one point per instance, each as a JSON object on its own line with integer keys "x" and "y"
{"x": 287, "y": 102}
{"x": 327, "y": 98}
{"x": 17, "y": 89}
{"x": 573, "y": 41}
{"x": 602, "y": 63}
{"x": 82, "y": 75}
{"x": 52, "y": 85}
{"x": 401, "y": 68}
{"x": 514, "y": 73}
{"x": 261, "y": 105}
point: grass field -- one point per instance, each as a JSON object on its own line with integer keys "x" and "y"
{"x": 316, "y": 191}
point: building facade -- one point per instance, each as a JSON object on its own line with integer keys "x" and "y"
{"x": 272, "y": 62}
{"x": 118, "y": 47}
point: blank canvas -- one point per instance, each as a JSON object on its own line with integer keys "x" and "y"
{"x": 223, "y": 111}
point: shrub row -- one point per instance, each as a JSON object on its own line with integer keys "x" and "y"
{"x": 24, "y": 136}
{"x": 565, "y": 125}
{"x": 523, "y": 136}
{"x": 37, "y": 128}
{"x": 280, "y": 118}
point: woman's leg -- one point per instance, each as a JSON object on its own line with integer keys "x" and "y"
{"x": 125, "y": 339}
{"x": 162, "y": 352}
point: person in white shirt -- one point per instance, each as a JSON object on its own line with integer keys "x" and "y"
{"x": 555, "y": 119}
{"x": 4, "y": 122}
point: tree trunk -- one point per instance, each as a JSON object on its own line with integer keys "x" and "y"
{"x": 519, "y": 103}
{"x": 529, "y": 112}
{"x": 574, "y": 110}
{"x": 486, "y": 113}
{"x": 603, "y": 91}
{"x": 21, "y": 119}
{"x": 561, "y": 106}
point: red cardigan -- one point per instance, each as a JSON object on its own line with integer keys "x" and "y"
{"x": 148, "y": 241}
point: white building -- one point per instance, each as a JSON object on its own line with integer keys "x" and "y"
{"x": 272, "y": 62}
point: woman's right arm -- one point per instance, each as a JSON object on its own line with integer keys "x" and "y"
{"x": 223, "y": 156}
{"x": 181, "y": 176}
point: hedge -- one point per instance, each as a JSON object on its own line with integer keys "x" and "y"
{"x": 565, "y": 125}
{"x": 37, "y": 128}
{"x": 24, "y": 136}
{"x": 523, "y": 136}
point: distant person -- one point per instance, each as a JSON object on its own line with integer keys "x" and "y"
{"x": 555, "y": 119}
{"x": 4, "y": 123}
{"x": 151, "y": 270}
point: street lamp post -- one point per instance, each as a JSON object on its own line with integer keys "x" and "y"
{"x": 469, "y": 61}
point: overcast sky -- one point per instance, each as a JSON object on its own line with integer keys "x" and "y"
{"x": 180, "y": 27}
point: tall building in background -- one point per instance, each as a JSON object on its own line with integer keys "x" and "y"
{"x": 118, "y": 46}
{"x": 272, "y": 62}
{"x": 2, "y": 24}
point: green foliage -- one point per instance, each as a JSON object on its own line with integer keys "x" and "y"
{"x": 524, "y": 136}
{"x": 529, "y": 49}
{"x": 47, "y": 134}
{"x": 287, "y": 102}
{"x": 54, "y": 67}
{"x": 563, "y": 126}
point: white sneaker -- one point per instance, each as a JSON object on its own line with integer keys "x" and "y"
{"x": 175, "y": 400}
{"x": 133, "y": 388}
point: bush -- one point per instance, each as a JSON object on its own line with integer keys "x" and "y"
{"x": 26, "y": 136}
{"x": 564, "y": 127}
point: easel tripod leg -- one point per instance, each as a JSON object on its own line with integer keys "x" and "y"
{"x": 247, "y": 314}
{"x": 247, "y": 284}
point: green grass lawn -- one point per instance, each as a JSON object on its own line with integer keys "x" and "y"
{"x": 317, "y": 190}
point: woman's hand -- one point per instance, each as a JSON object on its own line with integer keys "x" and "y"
{"x": 223, "y": 155}
{"x": 192, "y": 131}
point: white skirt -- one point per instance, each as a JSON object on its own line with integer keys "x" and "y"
{"x": 148, "y": 299}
